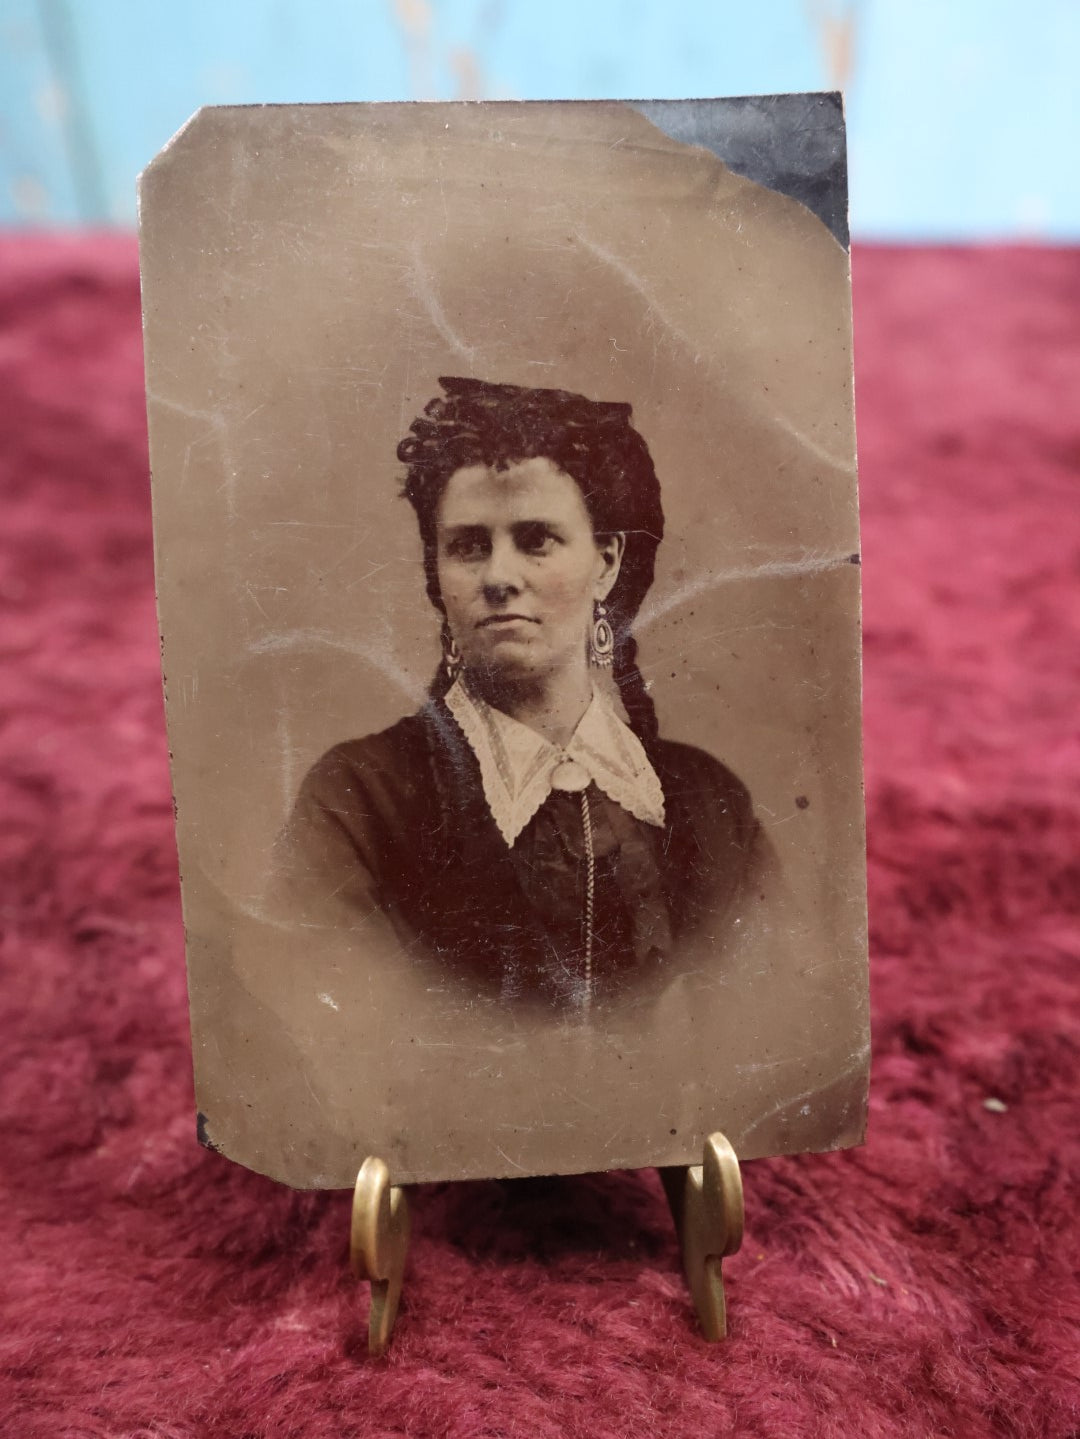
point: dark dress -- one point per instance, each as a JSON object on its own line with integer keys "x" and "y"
{"x": 397, "y": 824}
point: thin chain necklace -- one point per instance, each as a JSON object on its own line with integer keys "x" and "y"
{"x": 590, "y": 893}
{"x": 570, "y": 775}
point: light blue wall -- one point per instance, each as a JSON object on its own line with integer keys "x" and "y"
{"x": 964, "y": 118}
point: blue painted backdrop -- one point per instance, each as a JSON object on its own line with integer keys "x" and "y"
{"x": 964, "y": 116}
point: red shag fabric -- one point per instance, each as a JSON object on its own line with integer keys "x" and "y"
{"x": 923, "y": 1285}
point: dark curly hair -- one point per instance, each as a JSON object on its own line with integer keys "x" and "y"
{"x": 478, "y": 423}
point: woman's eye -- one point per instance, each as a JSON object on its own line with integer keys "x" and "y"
{"x": 466, "y": 547}
{"x": 537, "y": 540}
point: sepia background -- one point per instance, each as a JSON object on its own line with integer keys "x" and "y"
{"x": 308, "y": 274}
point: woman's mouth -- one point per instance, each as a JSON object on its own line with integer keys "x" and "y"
{"x": 507, "y": 619}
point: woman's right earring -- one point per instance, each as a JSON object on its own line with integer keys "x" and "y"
{"x": 453, "y": 659}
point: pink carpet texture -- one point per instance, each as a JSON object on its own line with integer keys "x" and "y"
{"x": 922, "y": 1285}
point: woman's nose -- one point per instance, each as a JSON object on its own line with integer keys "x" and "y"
{"x": 502, "y": 573}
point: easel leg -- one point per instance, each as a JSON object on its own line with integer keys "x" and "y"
{"x": 378, "y": 1244}
{"x": 707, "y": 1206}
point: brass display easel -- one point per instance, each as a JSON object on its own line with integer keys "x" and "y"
{"x": 706, "y": 1203}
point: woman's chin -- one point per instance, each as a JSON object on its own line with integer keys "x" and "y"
{"x": 504, "y": 667}
{"x": 506, "y": 674}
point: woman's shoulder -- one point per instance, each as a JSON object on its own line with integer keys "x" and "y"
{"x": 695, "y": 779}
{"x": 390, "y": 760}
{"x": 710, "y": 815}
{"x": 405, "y": 734}
{"x": 686, "y": 764}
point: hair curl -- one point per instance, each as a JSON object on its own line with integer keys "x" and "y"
{"x": 478, "y": 423}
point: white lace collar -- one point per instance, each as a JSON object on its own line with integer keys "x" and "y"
{"x": 517, "y": 765}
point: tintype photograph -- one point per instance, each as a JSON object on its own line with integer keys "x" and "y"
{"x": 508, "y": 571}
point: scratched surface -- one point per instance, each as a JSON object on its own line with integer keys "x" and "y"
{"x": 308, "y": 272}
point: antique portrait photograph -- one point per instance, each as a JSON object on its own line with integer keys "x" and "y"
{"x": 529, "y": 828}
{"x": 508, "y": 572}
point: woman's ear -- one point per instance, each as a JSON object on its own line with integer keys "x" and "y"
{"x": 611, "y": 549}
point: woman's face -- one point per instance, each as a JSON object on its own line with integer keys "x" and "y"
{"x": 520, "y": 569}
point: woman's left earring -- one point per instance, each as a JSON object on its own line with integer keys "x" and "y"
{"x": 602, "y": 639}
{"x": 453, "y": 659}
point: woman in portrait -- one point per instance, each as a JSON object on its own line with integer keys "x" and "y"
{"x": 528, "y": 828}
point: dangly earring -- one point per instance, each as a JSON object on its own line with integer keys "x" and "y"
{"x": 453, "y": 659}
{"x": 602, "y": 637}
